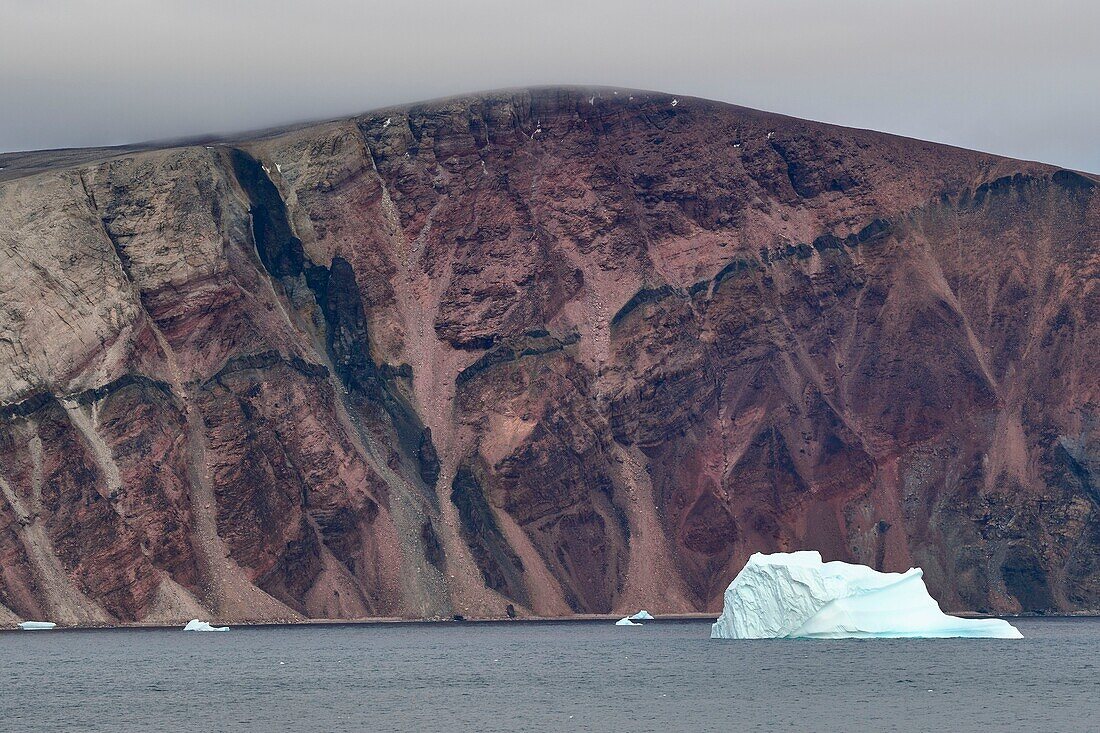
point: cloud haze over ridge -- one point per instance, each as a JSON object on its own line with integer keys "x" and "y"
{"x": 1013, "y": 77}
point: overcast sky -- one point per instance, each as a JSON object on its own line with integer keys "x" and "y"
{"x": 1017, "y": 77}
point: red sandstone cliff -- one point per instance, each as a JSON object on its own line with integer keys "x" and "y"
{"x": 567, "y": 350}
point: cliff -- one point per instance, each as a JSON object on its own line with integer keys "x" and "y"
{"x": 541, "y": 352}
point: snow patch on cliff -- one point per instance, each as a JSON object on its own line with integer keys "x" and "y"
{"x": 796, "y": 595}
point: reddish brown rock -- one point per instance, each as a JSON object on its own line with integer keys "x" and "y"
{"x": 553, "y": 351}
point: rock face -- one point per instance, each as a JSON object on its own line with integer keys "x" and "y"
{"x": 541, "y": 352}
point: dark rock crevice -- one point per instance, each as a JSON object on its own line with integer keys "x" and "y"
{"x": 534, "y": 343}
{"x": 280, "y": 251}
{"x": 500, "y": 567}
{"x": 1026, "y": 579}
{"x": 427, "y": 458}
{"x": 89, "y": 396}
{"x": 26, "y": 407}
{"x": 811, "y": 177}
{"x": 336, "y": 293}
{"x": 1073, "y": 181}
{"x": 643, "y": 296}
{"x": 872, "y": 233}
{"x": 269, "y": 359}
{"x": 1017, "y": 182}
{"x": 35, "y": 402}
{"x": 433, "y": 548}
{"x": 1021, "y": 183}
{"x": 123, "y": 258}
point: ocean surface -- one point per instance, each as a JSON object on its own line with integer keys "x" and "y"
{"x": 568, "y": 676}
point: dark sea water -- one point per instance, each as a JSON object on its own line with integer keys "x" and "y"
{"x": 665, "y": 676}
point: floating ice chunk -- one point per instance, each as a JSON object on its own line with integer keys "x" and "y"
{"x": 796, "y": 595}
{"x": 37, "y": 625}
{"x": 642, "y": 615}
{"x": 197, "y": 625}
{"x": 626, "y": 622}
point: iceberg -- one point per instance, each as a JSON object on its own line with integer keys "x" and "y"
{"x": 626, "y": 622}
{"x": 796, "y": 595}
{"x": 642, "y": 615}
{"x": 197, "y": 625}
{"x": 37, "y": 625}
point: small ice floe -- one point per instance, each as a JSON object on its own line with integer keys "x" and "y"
{"x": 626, "y": 622}
{"x": 675, "y": 102}
{"x": 642, "y": 615}
{"x": 37, "y": 625}
{"x": 197, "y": 625}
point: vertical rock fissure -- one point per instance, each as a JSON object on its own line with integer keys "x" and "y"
{"x": 368, "y": 393}
{"x": 336, "y": 292}
{"x": 501, "y": 569}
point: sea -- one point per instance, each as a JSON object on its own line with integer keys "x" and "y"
{"x": 544, "y": 676}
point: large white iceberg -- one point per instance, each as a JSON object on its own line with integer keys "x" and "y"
{"x": 626, "y": 622}
{"x": 642, "y": 615}
{"x": 197, "y": 625}
{"x": 796, "y": 595}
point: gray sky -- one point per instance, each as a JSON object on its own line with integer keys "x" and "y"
{"x": 1017, "y": 77}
